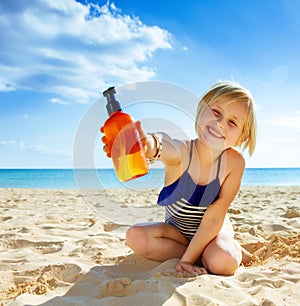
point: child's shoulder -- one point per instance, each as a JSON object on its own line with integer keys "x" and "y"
{"x": 234, "y": 158}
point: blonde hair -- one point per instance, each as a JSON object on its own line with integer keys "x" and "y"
{"x": 232, "y": 92}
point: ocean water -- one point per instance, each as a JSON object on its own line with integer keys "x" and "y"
{"x": 106, "y": 178}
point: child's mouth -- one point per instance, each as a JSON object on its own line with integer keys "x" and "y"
{"x": 215, "y": 133}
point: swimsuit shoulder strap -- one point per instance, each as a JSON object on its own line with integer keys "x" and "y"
{"x": 219, "y": 164}
{"x": 191, "y": 155}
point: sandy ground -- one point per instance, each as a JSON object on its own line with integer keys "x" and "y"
{"x": 66, "y": 247}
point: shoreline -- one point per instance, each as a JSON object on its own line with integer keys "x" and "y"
{"x": 106, "y": 178}
{"x": 62, "y": 247}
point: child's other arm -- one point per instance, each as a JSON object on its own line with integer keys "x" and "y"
{"x": 215, "y": 214}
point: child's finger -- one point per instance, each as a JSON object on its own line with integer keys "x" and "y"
{"x": 200, "y": 270}
{"x": 106, "y": 149}
{"x": 140, "y": 129}
{"x": 104, "y": 140}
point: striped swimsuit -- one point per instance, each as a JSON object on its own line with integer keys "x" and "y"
{"x": 186, "y": 202}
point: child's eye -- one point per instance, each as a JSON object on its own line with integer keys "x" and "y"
{"x": 232, "y": 122}
{"x": 215, "y": 112}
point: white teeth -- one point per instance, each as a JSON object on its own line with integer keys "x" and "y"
{"x": 215, "y": 133}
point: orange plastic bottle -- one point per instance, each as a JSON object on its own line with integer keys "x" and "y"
{"x": 126, "y": 148}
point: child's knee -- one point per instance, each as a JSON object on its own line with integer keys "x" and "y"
{"x": 130, "y": 235}
{"x": 222, "y": 257}
{"x": 226, "y": 265}
{"x": 135, "y": 237}
{"x": 221, "y": 262}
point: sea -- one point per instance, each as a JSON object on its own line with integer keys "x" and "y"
{"x": 106, "y": 178}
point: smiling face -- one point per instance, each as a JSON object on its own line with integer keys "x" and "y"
{"x": 226, "y": 117}
{"x": 221, "y": 124}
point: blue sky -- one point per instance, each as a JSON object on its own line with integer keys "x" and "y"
{"x": 57, "y": 56}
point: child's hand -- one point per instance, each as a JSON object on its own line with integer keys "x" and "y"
{"x": 142, "y": 137}
{"x": 106, "y": 148}
{"x": 183, "y": 266}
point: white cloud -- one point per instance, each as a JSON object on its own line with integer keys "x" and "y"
{"x": 58, "y": 101}
{"x": 6, "y": 86}
{"x": 73, "y": 50}
{"x": 290, "y": 122}
{"x": 35, "y": 148}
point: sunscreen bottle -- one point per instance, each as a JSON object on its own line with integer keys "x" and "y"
{"x": 126, "y": 148}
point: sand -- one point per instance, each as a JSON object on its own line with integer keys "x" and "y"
{"x": 65, "y": 247}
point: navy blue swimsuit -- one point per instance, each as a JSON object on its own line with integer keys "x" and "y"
{"x": 186, "y": 202}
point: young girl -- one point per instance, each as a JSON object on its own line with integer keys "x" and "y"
{"x": 202, "y": 177}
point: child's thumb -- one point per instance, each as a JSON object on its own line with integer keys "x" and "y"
{"x": 140, "y": 129}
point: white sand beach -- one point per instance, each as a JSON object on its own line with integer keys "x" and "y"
{"x": 62, "y": 247}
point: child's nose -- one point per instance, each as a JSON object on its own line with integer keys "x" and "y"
{"x": 220, "y": 123}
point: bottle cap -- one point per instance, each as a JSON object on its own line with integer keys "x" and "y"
{"x": 112, "y": 104}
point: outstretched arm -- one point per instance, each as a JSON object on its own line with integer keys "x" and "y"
{"x": 172, "y": 151}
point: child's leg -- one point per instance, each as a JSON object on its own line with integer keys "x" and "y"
{"x": 223, "y": 255}
{"x": 156, "y": 241}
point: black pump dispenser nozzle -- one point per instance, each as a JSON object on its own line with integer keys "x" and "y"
{"x": 112, "y": 104}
